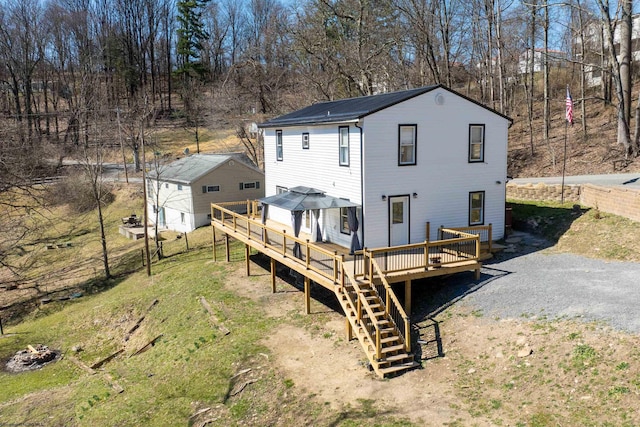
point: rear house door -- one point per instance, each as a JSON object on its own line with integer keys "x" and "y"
{"x": 398, "y": 220}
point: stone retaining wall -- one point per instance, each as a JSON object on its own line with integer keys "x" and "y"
{"x": 620, "y": 201}
{"x": 543, "y": 192}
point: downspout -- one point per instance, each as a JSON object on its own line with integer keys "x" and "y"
{"x": 361, "y": 185}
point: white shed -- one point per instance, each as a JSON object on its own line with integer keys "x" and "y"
{"x": 179, "y": 194}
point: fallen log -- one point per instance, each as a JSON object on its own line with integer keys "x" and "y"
{"x": 106, "y": 359}
{"x": 213, "y": 317}
{"x": 81, "y": 365}
{"x": 147, "y": 346}
{"x": 139, "y": 322}
{"x": 238, "y": 390}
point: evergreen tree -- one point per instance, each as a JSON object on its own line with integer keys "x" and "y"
{"x": 191, "y": 34}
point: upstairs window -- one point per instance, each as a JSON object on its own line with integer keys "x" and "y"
{"x": 407, "y": 144}
{"x": 280, "y": 189}
{"x": 344, "y": 145}
{"x": 279, "y": 145}
{"x": 210, "y": 188}
{"x": 476, "y": 143}
{"x": 476, "y": 208}
{"x": 305, "y": 141}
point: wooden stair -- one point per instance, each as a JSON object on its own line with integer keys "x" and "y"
{"x": 394, "y": 358}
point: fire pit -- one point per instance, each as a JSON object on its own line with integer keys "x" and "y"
{"x": 32, "y": 358}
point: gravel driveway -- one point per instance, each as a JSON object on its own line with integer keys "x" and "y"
{"x": 526, "y": 281}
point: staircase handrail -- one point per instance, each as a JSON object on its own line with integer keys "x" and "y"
{"x": 393, "y": 301}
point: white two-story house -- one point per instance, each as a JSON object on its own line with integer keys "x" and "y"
{"x": 380, "y": 167}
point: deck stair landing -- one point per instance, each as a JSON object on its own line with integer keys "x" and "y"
{"x": 375, "y": 329}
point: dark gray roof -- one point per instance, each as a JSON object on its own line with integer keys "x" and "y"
{"x": 353, "y": 108}
{"x": 304, "y": 198}
{"x": 344, "y": 109}
{"x": 191, "y": 168}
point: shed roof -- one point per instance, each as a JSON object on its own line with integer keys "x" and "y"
{"x": 353, "y": 109}
{"x": 189, "y": 169}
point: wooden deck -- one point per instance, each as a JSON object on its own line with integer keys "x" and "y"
{"x": 361, "y": 282}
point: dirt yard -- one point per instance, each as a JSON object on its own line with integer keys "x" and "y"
{"x": 475, "y": 370}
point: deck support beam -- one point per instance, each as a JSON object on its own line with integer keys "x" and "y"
{"x": 407, "y": 297}
{"x": 246, "y": 258}
{"x": 226, "y": 247}
{"x": 273, "y": 275}
{"x": 213, "y": 231}
{"x": 307, "y": 295}
{"x": 349, "y": 329}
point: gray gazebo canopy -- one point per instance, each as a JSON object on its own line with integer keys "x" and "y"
{"x": 299, "y": 199}
{"x": 305, "y": 199}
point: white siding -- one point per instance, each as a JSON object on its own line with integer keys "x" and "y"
{"x": 317, "y": 167}
{"x": 442, "y": 177}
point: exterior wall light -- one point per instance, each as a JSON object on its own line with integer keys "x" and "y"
{"x": 384, "y": 198}
{"x": 415, "y": 195}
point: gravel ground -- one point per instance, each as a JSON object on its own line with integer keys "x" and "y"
{"x": 525, "y": 281}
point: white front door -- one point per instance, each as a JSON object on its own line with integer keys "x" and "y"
{"x": 398, "y": 220}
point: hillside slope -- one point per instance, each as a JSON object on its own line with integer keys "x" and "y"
{"x": 595, "y": 152}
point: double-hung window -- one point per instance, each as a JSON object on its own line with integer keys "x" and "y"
{"x": 407, "y": 144}
{"x": 344, "y": 221}
{"x": 305, "y": 141}
{"x": 476, "y": 208}
{"x": 279, "y": 145}
{"x": 344, "y": 145}
{"x": 476, "y": 143}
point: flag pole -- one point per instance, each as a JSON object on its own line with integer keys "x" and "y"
{"x": 568, "y": 119}
{"x": 564, "y": 161}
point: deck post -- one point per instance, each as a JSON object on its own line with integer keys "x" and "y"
{"x": 349, "y": 329}
{"x": 490, "y": 238}
{"x": 335, "y": 267}
{"x": 226, "y": 247}
{"x": 273, "y": 275}
{"x": 428, "y": 231}
{"x": 284, "y": 243}
{"x": 213, "y": 232}
{"x": 307, "y": 255}
{"x": 407, "y": 297}
{"x": 307, "y": 295}
{"x": 246, "y": 259}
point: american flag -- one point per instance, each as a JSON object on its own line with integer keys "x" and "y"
{"x": 569, "y": 105}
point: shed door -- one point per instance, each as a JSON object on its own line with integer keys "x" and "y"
{"x": 162, "y": 222}
{"x": 398, "y": 220}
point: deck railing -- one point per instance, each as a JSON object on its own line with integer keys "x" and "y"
{"x": 485, "y": 232}
{"x": 301, "y": 251}
{"x": 456, "y": 246}
{"x": 393, "y": 307}
{"x": 364, "y": 315}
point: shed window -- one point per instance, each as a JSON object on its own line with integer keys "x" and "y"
{"x": 179, "y": 187}
{"x": 344, "y": 145}
{"x": 210, "y": 188}
{"x": 407, "y": 144}
{"x": 476, "y": 208}
{"x": 249, "y": 185}
{"x": 182, "y": 218}
{"x": 305, "y": 141}
{"x": 279, "y": 145}
{"x": 476, "y": 143}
